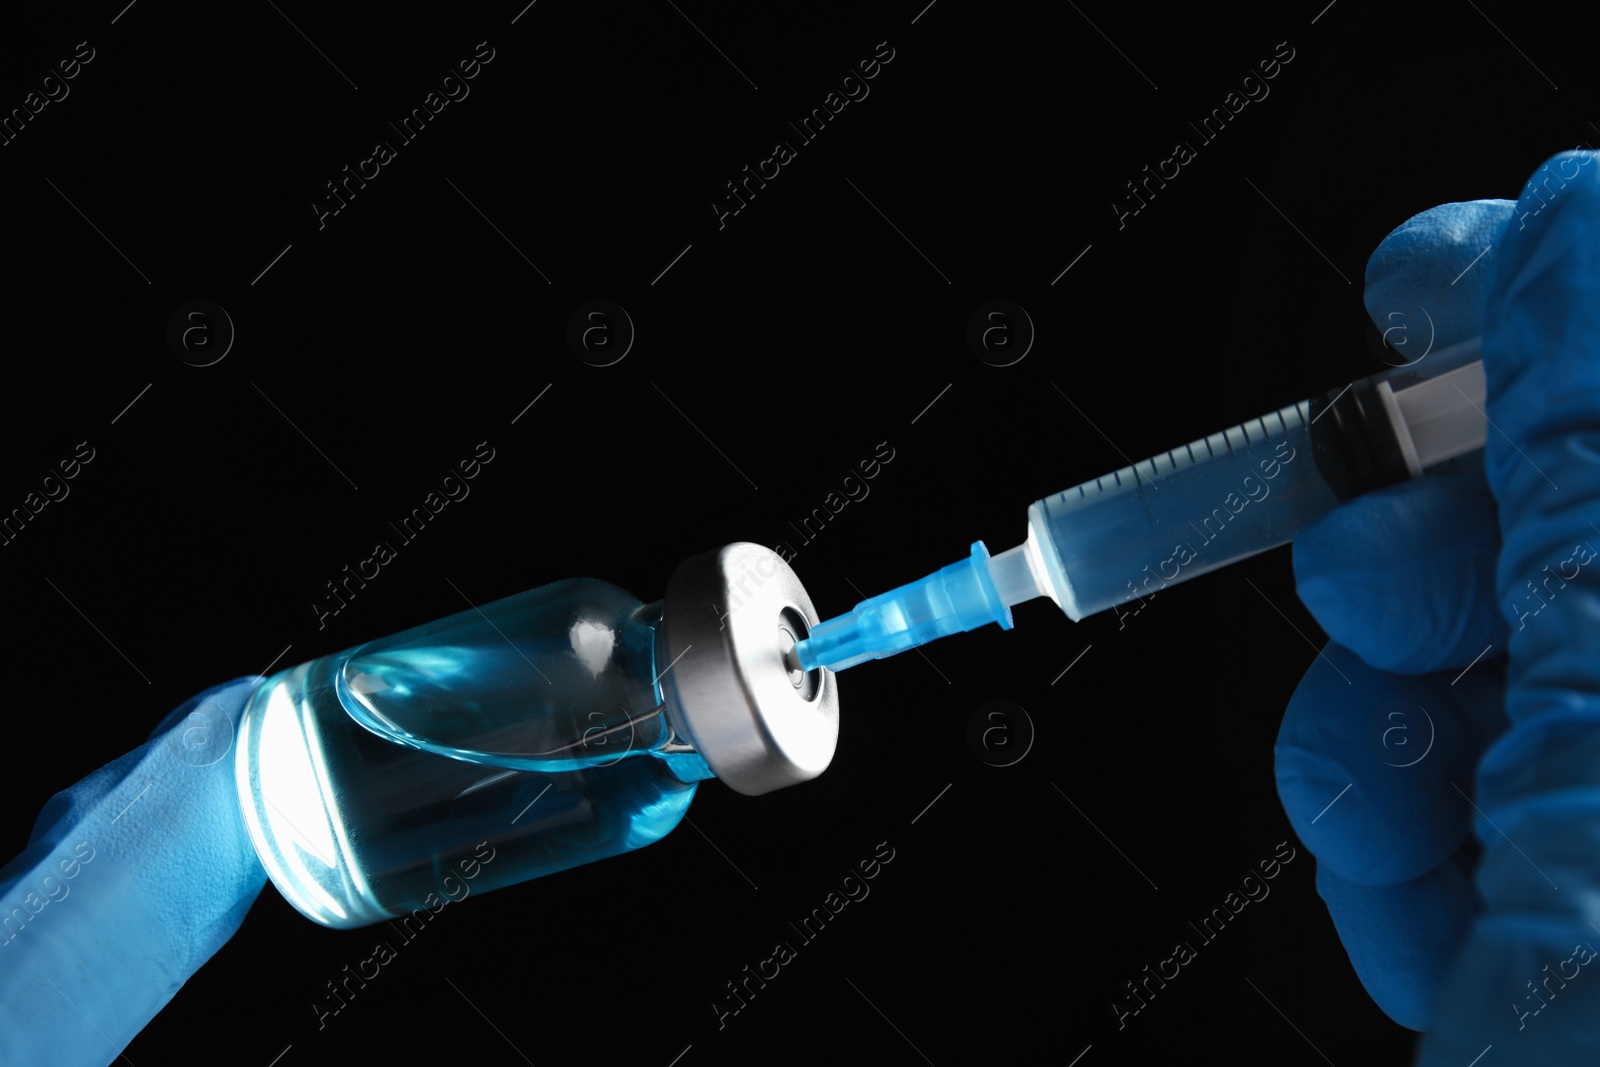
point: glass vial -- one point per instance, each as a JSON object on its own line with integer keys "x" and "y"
{"x": 550, "y": 729}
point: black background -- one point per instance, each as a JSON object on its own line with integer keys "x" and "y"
{"x": 774, "y": 354}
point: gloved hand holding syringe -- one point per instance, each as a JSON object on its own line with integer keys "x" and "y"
{"x": 1193, "y": 509}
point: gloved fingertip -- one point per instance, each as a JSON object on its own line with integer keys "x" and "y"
{"x": 1402, "y": 938}
{"x": 1427, "y": 281}
{"x": 1363, "y": 758}
{"x": 1430, "y": 545}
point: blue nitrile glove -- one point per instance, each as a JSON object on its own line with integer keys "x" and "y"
{"x": 1436, "y": 581}
{"x": 132, "y": 879}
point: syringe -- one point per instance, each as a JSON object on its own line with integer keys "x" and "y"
{"x": 1198, "y": 507}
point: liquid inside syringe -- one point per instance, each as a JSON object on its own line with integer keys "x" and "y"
{"x": 1186, "y": 511}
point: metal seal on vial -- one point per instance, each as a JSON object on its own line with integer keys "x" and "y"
{"x": 730, "y": 621}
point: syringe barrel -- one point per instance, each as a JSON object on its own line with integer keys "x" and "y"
{"x": 1127, "y": 535}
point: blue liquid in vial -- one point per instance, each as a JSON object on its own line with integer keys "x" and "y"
{"x": 530, "y": 733}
